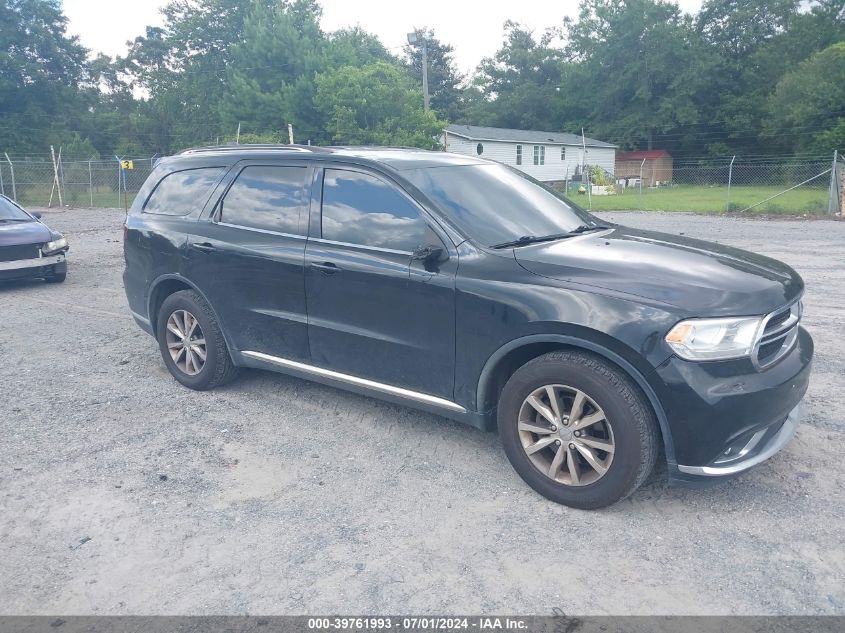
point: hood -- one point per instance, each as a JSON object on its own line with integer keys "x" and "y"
{"x": 15, "y": 233}
{"x": 703, "y": 278}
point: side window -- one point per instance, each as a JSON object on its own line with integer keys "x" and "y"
{"x": 266, "y": 197}
{"x": 180, "y": 192}
{"x": 362, "y": 209}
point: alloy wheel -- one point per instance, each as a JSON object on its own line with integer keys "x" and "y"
{"x": 186, "y": 342}
{"x": 566, "y": 435}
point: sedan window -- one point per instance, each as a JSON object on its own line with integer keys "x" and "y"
{"x": 11, "y": 212}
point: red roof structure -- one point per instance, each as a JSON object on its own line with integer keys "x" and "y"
{"x": 649, "y": 154}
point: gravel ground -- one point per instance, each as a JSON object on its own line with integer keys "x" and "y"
{"x": 123, "y": 493}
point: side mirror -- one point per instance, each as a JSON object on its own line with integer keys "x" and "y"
{"x": 36, "y": 215}
{"x": 428, "y": 253}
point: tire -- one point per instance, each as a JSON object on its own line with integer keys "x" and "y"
{"x": 56, "y": 278}
{"x": 625, "y": 425}
{"x": 217, "y": 368}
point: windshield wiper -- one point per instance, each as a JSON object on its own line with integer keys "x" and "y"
{"x": 584, "y": 228}
{"x": 533, "y": 239}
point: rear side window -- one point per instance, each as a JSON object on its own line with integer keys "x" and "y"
{"x": 267, "y": 197}
{"x": 362, "y": 209}
{"x": 181, "y": 192}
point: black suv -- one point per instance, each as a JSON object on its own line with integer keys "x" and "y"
{"x": 459, "y": 286}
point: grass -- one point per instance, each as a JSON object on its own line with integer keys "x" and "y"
{"x": 73, "y": 196}
{"x": 810, "y": 200}
{"x": 713, "y": 200}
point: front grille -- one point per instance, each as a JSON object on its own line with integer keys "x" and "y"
{"x": 779, "y": 334}
{"x": 14, "y": 253}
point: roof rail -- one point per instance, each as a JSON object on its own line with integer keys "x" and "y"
{"x": 246, "y": 146}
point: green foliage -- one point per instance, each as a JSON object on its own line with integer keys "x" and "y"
{"x": 271, "y": 76}
{"x": 377, "y": 104}
{"x": 78, "y": 148}
{"x": 740, "y": 76}
{"x": 43, "y": 84}
{"x": 444, "y": 79}
{"x": 629, "y": 56}
{"x": 598, "y": 176}
{"x": 520, "y": 87}
{"x": 812, "y": 96}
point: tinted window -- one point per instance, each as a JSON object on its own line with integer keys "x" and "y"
{"x": 270, "y": 198}
{"x": 181, "y": 192}
{"x": 362, "y": 209}
{"x": 9, "y": 211}
{"x": 495, "y": 204}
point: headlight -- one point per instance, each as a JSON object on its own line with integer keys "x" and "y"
{"x": 714, "y": 339}
{"x": 54, "y": 247}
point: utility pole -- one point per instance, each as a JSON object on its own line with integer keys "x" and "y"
{"x": 290, "y": 134}
{"x": 419, "y": 37}
{"x": 238, "y": 134}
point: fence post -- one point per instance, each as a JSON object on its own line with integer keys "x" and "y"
{"x": 642, "y": 167}
{"x": 90, "y": 184}
{"x": 12, "y": 172}
{"x": 730, "y": 177}
{"x": 119, "y": 174}
{"x": 834, "y": 185}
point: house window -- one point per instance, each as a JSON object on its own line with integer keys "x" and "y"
{"x": 479, "y": 149}
{"x": 519, "y": 154}
{"x": 539, "y": 154}
{"x": 562, "y": 153}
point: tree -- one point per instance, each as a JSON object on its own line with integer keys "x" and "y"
{"x": 444, "y": 79}
{"x": 355, "y": 47}
{"x": 184, "y": 68}
{"x": 733, "y": 36}
{"x": 521, "y": 84}
{"x": 627, "y": 86}
{"x": 44, "y": 86}
{"x": 808, "y": 105}
{"x": 271, "y": 77}
{"x": 377, "y": 104}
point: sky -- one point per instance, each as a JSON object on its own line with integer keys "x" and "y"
{"x": 473, "y": 27}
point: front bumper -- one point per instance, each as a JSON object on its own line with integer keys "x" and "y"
{"x": 36, "y": 267}
{"x": 759, "y": 447}
{"x": 725, "y": 417}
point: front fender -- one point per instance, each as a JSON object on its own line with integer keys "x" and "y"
{"x": 487, "y": 379}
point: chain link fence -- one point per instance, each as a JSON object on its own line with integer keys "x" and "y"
{"x": 788, "y": 185}
{"x": 73, "y": 183}
{"x": 794, "y": 186}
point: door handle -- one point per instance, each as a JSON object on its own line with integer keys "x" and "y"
{"x": 327, "y": 268}
{"x": 205, "y": 247}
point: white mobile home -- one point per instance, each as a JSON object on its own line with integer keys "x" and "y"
{"x": 547, "y": 156}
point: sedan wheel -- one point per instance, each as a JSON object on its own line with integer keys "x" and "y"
{"x": 566, "y": 435}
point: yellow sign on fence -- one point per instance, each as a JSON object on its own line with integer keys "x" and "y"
{"x": 127, "y": 164}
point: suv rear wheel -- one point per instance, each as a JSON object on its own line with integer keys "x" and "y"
{"x": 577, "y": 429}
{"x": 191, "y": 342}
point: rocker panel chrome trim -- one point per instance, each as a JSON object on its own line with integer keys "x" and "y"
{"x": 355, "y": 380}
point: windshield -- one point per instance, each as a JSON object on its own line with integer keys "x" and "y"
{"x": 493, "y": 204}
{"x": 10, "y": 211}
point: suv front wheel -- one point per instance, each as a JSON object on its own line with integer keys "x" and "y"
{"x": 191, "y": 343}
{"x": 577, "y": 429}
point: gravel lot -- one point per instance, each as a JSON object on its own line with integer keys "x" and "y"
{"x": 123, "y": 493}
